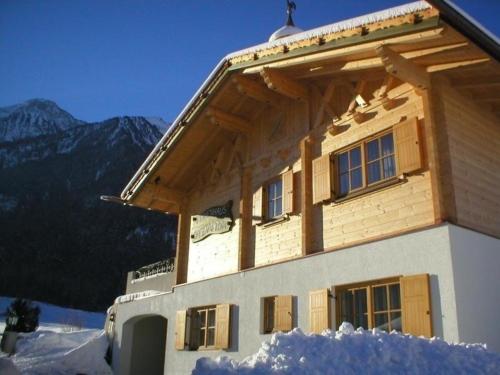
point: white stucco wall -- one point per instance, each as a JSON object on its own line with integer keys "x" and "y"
{"x": 426, "y": 251}
{"x": 476, "y": 273}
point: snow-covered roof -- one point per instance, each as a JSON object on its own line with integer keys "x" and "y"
{"x": 336, "y": 27}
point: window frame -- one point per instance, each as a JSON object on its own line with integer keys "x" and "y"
{"x": 268, "y": 314}
{"x": 195, "y": 331}
{"x": 275, "y": 180}
{"x": 365, "y": 186}
{"x": 369, "y": 286}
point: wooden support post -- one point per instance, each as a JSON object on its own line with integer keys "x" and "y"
{"x": 182, "y": 252}
{"x": 438, "y": 156}
{"x": 306, "y": 201}
{"x": 245, "y": 258}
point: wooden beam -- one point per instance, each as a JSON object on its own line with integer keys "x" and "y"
{"x": 183, "y": 240}
{"x": 438, "y": 156}
{"x": 476, "y": 82}
{"x": 245, "y": 258}
{"x": 345, "y": 51}
{"x": 306, "y": 201}
{"x": 229, "y": 121}
{"x": 456, "y": 64}
{"x": 402, "y": 68}
{"x": 324, "y": 103}
{"x": 280, "y": 83}
{"x": 256, "y": 91}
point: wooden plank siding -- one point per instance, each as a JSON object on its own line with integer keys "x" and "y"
{"x": 474, "y": 150}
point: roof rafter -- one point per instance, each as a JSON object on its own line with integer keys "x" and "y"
{"x": 229, "y": 121}
{"x": 280, "y": 83}
{"x": 254, "y": 90}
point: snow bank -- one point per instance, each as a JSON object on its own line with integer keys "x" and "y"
{"x": 354, "y": 352}
{"x": 56, "y": 318}
{"x": 49, "y": 352}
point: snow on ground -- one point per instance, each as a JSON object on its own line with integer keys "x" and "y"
{"x": 356, "y": 352}
{"x": 67, "y": 342}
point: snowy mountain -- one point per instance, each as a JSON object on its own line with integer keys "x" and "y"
{"x": 98, "y": 136}
{"x": 33, "y": 118}
{"x": 53, "y": 223}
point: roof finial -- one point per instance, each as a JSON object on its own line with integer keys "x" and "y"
{"x": 290, "y": 7}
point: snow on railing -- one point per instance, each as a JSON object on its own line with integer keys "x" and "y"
{"x": 163, "y": 266}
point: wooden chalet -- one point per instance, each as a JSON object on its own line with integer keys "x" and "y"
{"x": 345, "y": 173}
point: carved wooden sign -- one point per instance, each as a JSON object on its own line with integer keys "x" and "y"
{"x": 214, "y": 220}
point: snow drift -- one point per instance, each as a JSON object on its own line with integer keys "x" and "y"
{"x": 356, "y": 352}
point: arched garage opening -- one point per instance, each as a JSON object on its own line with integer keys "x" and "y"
{"x": 143, "y": 344}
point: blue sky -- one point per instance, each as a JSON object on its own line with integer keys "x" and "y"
{"x": 103, "y": 58}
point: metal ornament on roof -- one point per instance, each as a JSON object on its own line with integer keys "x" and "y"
{"x": 289, "y": 28}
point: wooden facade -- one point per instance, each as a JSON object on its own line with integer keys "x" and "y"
{"x": 351, "y": 137}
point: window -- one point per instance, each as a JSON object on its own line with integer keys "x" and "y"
{"x": 274, "y": 194}
{"x": 277, "y": 314}
{"x": 274, "y": 199}
{"x": 366, "y": 164}
{"x": 205, "y": 327}
{"x": 372, "y": 306}
{"x": 399, "y": 303}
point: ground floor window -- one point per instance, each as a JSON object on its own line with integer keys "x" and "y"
{"x": 278, "y": 314}
{"x": 203, "y": 327}
{"x": 371, "y": 305}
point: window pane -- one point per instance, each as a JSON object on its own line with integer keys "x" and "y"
{"x": 360, "y": 308}
{"x": 202, "y": 337}
{"x": 372, "y": 150}
{"x": 355, "y": 157}
{"x": 278, "y": 188}
{"x": 344, "y": 184}
{"x": 343, "y": 162}
{"x": 211, "y": 318}
{"x": 396, "y": 321}
{"x": 356, "y": 179}
{"x": 346, "y": 307}
{"x": 270, "y": 191}
{"x": 380, "y": 298}
{"x": 394, "y": 297}
{"x": 203, "y": 316}
{"x": 270, "y": 209}
{"x": 381, "y": 321}
{"x": 389, "y": 166}
{"x": 278, "y": 209}
{"x": 374, "y": 172}
{"x": 211, "y": 337}
{"x": 387, "y": 145}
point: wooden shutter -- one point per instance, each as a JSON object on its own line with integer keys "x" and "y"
{"x": 416, "y": 305}
{"x": 287, "y": 179}
{"x": 222, "y": 326}
{"x": 407, "y": 146}
{"x": 257, "y": 205}
{"x": 180, "y": 329}
{"x": 322, "y": 178}
{"x": 319, "y": 311}
{"x": 283, "y": 317}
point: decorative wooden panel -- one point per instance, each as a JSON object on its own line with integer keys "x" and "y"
{"x": 180, "y": 329}
{"x": 222, "y": 326}
{"x": 257, "y": 205}
{"x": 322, "y": 178}
{"x": 283, "y": 319}
{"x": 287, "y": 179}
{"x": 319, "y": 311}
{"x": 408, "y": 148}
{"x": 416, "y": 305}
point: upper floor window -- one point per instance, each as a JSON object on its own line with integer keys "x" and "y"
{"x": 368, "y": 162}
{"x": 365, "y": 164}
{"x": 274, "y": 199}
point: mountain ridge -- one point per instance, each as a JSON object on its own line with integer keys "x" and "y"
{"x": 60, "y": 243}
